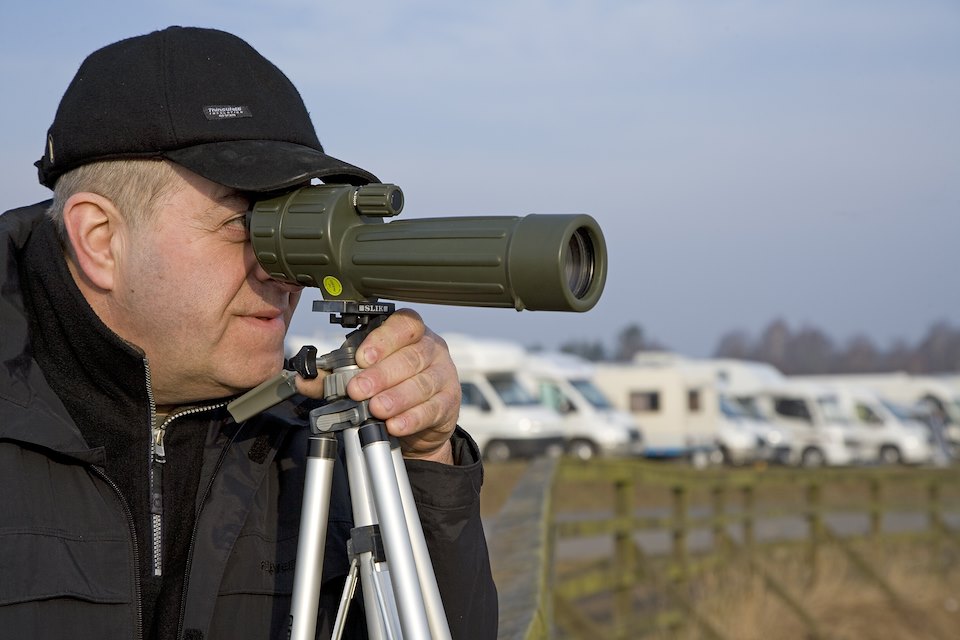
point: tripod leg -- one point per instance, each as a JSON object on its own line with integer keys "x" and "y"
{"x": 380, "y": 607}
{"x": 439, "y": 628}
{"x": 313, "y": 533}
{"x": 393, "y": 525}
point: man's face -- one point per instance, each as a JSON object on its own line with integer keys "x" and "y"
{"x": 191, "y": 294}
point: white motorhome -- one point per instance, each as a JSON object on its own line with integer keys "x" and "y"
{"x": 669, "y": 401}
{"x": 938, "y": 398}
{"x": 819, "y": 429}
{"x": 745, "y": 434}
{"x": 502, "y": 416}
{"x": 591, "y": 424}
{"x": 886, "y": 436}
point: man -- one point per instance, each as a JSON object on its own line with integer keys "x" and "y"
{"x": 133, "y": 311}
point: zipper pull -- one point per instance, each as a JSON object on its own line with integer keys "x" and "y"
{"x": 159, "y": 455}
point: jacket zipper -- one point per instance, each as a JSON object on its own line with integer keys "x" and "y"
{"x": 132, "y": 529}
{"x": 193, "y": 534}
{"x": 158, "y": 458}
{"x": 155, "y": 479}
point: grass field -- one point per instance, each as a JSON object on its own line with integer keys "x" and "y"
{"x": 924, "y": 601}
{"x": 844, "y": 604}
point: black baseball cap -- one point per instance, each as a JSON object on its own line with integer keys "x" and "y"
{"x": 201, "y": 98}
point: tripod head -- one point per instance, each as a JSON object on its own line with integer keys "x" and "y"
{"x": 363, "y": 317}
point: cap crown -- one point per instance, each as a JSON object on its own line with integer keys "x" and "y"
{"x": 169, "y": 90}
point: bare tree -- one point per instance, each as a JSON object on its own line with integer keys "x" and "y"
{"x": 592, "y": 351}
{"x": 810, "y": 350}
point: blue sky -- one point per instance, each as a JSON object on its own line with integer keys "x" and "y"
{"x": 747, "y": 160}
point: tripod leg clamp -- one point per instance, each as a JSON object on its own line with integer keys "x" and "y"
{"x": 366, "y": 540}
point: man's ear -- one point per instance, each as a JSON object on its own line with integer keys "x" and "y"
{"x": 93, "y": 226}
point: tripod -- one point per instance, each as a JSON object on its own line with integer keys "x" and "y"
{"x": 387, "y": 550}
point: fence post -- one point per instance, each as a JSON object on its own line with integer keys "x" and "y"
{"x": 935, "y": 522}
{"x": 720, "y": 538}
{"x": 747, "y": 494}
{"x": 815, "y": 520}
{"x": 521, "y": 555}
{"x": 876, "y": 516}
{"x": 625, "y": 558}
{"x": 680, "y": 531}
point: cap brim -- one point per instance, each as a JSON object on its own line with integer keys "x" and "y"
{"x": 265, "y": 165}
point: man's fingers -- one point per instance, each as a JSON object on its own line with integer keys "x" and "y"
{"x": 401, "y": 328}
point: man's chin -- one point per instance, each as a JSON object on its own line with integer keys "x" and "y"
{"x": 252, "y": 373}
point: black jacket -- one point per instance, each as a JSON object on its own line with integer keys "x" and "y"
{"x": 76, "y": 508}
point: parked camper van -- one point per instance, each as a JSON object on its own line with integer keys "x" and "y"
{"x": 819, "y": 428}
{"x": 502, "y": 416}
{"x": 669, "y": 401}
{"x": 885, "y": 436}
{"x": 745, "y": 434}
{"x": 591, "y": 424}
{"x": 935, "y": 398}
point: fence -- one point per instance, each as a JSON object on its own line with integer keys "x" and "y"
{"x": 581, "y": 548}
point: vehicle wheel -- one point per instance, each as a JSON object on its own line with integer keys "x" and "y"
{"x": 889, "y": 454}
{"x": 582, "y": 449}
{"x": 812, "y": 458}
{"x": 699, "y": 459}
{"x": 497, "y": 452}
{"x": 726, "y": 458}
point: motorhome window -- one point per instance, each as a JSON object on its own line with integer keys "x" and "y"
{"x": 644, "y": 401}
{"x": 731, "y": 408}
{"x": 473, "y": 397}
{"x": 899, "y": 411}
{"x": 553, "y": 397}
{"x": 593, "y": 395}
{"x": 867, "y": 415}
{"x": 792, "y": 408}
{"x": 830, "y": 407}
{"x": 693, "y": 400}
{"x": 751, "y": 408}
{"x": 510, "y": 391}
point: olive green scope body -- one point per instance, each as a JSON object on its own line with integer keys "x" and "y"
{"x": 334, "y": 237}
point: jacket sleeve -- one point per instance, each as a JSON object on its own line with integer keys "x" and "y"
{"x": 448, "y": 502}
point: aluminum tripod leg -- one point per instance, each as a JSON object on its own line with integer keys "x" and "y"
{"x": 439, "y": 629}
{"x": 313, "y": 534}
{"x": 378, "y": 602}
{"x": 393, "y": 527}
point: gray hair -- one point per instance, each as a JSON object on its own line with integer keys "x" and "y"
{"x": 133, "y": 186}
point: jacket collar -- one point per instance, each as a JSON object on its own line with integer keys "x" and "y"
{"x": 53, "y": 340}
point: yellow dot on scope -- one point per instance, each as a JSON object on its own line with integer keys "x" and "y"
{"x": 332, "y": 285}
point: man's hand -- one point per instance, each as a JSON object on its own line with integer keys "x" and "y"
{"x": 411, "y": 383}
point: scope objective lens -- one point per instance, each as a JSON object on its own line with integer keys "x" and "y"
{"x": 579, "y": 261}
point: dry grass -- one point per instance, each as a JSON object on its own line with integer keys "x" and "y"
{"x": 741, "y": 605}
{"x": 844, "y": 603}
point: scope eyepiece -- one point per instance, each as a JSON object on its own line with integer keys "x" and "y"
{"x": 381, "y": 200}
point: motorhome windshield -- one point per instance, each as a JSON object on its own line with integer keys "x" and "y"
{"x": 752, "y": 408}
{"x": 900, "y": 412}
{"x": 731, "y": 408}
{"x": 510, "y": 391}
{"x": 593, "y": 395}
{"x": 830, "y": 407}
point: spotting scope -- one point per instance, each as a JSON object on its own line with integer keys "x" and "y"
{"x": 335, "y": 237}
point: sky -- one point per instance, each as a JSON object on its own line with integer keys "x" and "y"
{"x": 747, "y": 160}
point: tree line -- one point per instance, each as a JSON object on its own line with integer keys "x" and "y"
{"x": 806, "y": 350}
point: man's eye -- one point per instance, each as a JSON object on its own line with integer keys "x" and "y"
{"x": 237, "y": 224}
